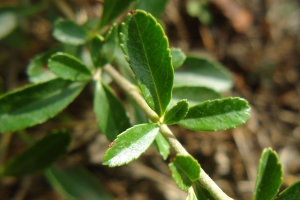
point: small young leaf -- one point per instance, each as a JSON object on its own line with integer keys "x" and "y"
{"x": 130, "y": 144}
{"x": 290, "y": 193}
{"x": 269, "y": 176}
{"x": 191, "y": 194}
{"x": 112, "y": 9}
{"x": 220, "y": 114}
{"x": 178, "y": 57}
{"x": 8, "y": 22}
{"x": 155, "y": 7}
{"x": 193, "y": 94}
{"x": 76, "y": 183}
{"x": 36, "y": 69}
{"x": 203, "y": 72}
{"x": 201, "y": 192}
{"x": 103, "y": 51}
{"x": 185, "y": 170}
{"x": 162, "y": 145}
{"x": 68, "y": 32}
{"x": 146, "y": 49}
{"x": 39, "y": 156}
{"x": 177, "y": 112}
{"x": 36, "y": 103}
{"x": 111, "y": 114}
{"x": 69, "y": 68}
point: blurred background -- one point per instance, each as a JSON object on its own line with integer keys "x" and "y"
{"x": 257, "y": 40}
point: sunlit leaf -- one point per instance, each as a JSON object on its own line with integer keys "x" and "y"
{"x": 220, "y": 114}
{"x": 38, "y": 156}
{"x": 130, "y": 144}
{"x": 177, "y": 112}
{"x": 269, "y": 176}
{"x": 146, "y": 49}
{"x": 36, "y": 103}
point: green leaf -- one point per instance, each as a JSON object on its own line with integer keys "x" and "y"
{"x": 113, "y": 9}
{"x": 162, "y": 145}
{"x": 155, "y": 7}
{"x": 69, "y": 67}
{"x": 37, "y": 70}
{"x": 290, "y": 193}
{"x": 185, "y": 170}
{"x": 146, "y": 49}
{"x": 111, "y": 115}
{"x": 220, "y": 114}
{"x": 191, "y": 194}
{"x": 201, "y": 192}
{"x": 68, "y": 32}
{"x": 199, "y": 71}
{"x": 36, "y": 103}
{"x": 193, "y": 94}
{"x": 269, "y": 176}
{"x": 103, "y": 52}
{"x": 130, "y": 144}
{"x": 8, "y": 22}
{"x": 177, "y": 112}
{"x": 38, "y": 156}
{"x": 76, "y": 183}
{"x": 178, "y": 57}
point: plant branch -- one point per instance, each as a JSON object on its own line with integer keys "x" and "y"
{"x": 129, "y": 88}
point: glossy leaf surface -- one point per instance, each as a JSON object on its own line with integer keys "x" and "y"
{"x": 36, "y": 69}
{"x": 220, "y": 114}
{"x": 199, "y": 71}
{"x": 185, "y": 170}
{"x": 131, "y": 144}
{"x": 290, "y": 193}
{"x": 39, "y": 156}
{"x": 177, "y": 112}
{"x": 155, "y": 7}
{"x": 68, "y": 32}
{"x": 178, "y": 57}
{"x": 76, "y": 183}
{"x": 111, "y": 115}
{"x": 103, "y": 50}
{"x": 162, "y": 145}
{"x": 68, "y": 67}
{"x": 146, "y": 49}
{"x": 269, "y": 176}
{"x": 36, "y": 103}
{"x": 112, "y": 9}
{"x": 201, "y": 192}
{"x": 193, "y": 94}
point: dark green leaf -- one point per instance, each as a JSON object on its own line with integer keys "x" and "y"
{"x": 146, "y": 49}
{"x": 201, "y": 192}
{"x": 68, "y": 32}
{"x": 76, "y": 183}
{"x": 155, "y": 7}
{"x": 8, "y": 22}
{"x": 103, "y": 50}
{"x": 37, "y": 70}
{"x": 178, "y": 57}
{"x": 193, "y": 94}
{"x": 185, "y": 170}
{"x": 199, "y": 71}
{"x": 220, "y": 114}
{"x": 163, "y": 146}
{"x": 269, "y": 176}
{"x": 112, "y": 9}
{"x": 39, "y": 156}
{"x": 130, "y": 144}
{"x": 69, "y": 68}
{"x": 111, "y": 114}
{"x": 290, "y": 193}
{"x": 177, "y": 112}
{"x": 36, "y": 103}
